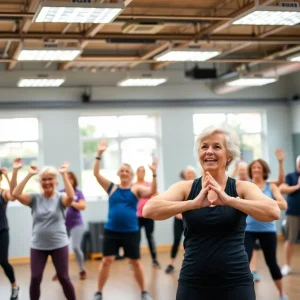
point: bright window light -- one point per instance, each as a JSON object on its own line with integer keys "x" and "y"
{"x": 272, "y": 15}
{"x": 187, "y": 55}
{"x": 251, "y": 81}
{"x": 49, "y": 54}
{"x": 142, "y": 81}
{"x": 40, "y": 82}
{"x": 66, "y": 12}
{"x": 295, "y": 58}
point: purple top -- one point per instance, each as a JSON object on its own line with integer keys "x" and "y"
{"x": 73, "y": 215}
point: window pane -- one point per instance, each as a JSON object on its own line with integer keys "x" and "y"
{"x": 99, "y": 126}
{"x": 139, "y": 152}
{"x": 250, "y": 147}
{"x": 248, "y": 123}
{"x": 202, "y": 121}
{"x": 109, "y": 166}
{"x": 19, "y": 129}
{"x": 137, "y": 125}
{"x": 29, "y": 154}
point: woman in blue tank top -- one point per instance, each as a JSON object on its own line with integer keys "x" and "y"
{"x": 122, "y": 227}
{"x": 214, "y": 209}
{"x": 265, "y": 232}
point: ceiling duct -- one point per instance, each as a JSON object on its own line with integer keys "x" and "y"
{"x": 143, "y": 27}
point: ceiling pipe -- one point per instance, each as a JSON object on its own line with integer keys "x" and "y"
{"x": 221, "y": 88}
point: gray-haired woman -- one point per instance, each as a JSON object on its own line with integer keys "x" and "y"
{"x": 49, "y": 235}
{"x": 214, "y": 209}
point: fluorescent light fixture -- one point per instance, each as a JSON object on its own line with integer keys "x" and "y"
{"x": 76, "y": 12}
{"x": 40, "y": 82}
{"x": 49, "y": 54}
{"x": 142, "y": 81}
{"x": 251, "y": 81}
{"x": 187, "y": 55}
{"x": 295, "y": 58}
{"x": 271, "y": 15}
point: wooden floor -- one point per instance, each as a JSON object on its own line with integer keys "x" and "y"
{"x": 121, "y": 284}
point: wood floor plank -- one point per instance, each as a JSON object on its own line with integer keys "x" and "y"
{"x": 121, "y": 284}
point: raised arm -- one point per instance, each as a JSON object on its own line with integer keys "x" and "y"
{"x": 105, "y": 183}
{"x": 280, "y": 155}
{"x": 18, "y": 194}
{"x": 68, "y": 197}
{"x": 286, "y": 188}
{"x": 6, "y": 193}
{"x": 172, "y": 202}
{"x": 79, "y": 204}
{"x": 278, "y": 197}
{"x": 143, "y": 191}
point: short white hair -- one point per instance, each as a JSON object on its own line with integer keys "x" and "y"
{"x": 48, "y": 170}
{"x": 232, "y": 141}
{"x": 187, "y": 168}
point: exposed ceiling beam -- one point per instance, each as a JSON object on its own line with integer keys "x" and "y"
{"x": 215, "y": 28}
{"x": 24, "y": 28}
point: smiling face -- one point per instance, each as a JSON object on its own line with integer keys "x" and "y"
{"x": 213, "y": 153}
{"x": 140, "y": 173}
{"x": 243, "y": 172}
{"x": 48, "y": 183}
{"x": 257, "y": 170}
{"x": 125, "y": 174}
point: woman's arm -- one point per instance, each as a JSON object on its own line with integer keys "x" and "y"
{"x": 105, "y": 183}
{"x": 254, "y": 203}
{"x": 285, "y": 188}
{"x": 80, "y": 205}
{"x": 280, "y": 155}
{"x": 18, "y": 194}
{"x": 68, "y": 197}
{"x": 172, "y": 202}
{"x": 278, "y": 197}
{"x": 6, "y": 193}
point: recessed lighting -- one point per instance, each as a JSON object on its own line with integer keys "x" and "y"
{"x": 40, "y": 82}
{"x": 142, "y": 81}
{"x": 187, "y": 55}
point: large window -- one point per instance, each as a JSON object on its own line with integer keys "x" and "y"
{"x": 19, "y": 137}
{"x": 247, "y": 125}
{"x": 131, "y": 139}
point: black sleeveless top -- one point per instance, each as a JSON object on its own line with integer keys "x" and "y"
{"x": 3, "y": 219}
{"x": 214, "y": 244}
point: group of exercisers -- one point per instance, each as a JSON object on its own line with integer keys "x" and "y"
{"x": 222, "y": 219}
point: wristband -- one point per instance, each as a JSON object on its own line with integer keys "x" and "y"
{"x": 98, "y": 157}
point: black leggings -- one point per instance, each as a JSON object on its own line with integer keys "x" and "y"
{"x": 4, "y": 242}
{"x": 149, "y": 228}
{"x": 178, "y": 230}
{"x": 268, "y": 243}
{"x": 239, "y": 292}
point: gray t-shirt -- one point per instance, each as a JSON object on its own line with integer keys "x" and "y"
{"x": 48, "y": 228}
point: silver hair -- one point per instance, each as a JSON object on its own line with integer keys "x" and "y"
{"x": 189, "y": 168}
{"x": 298, "y": 159}
{"x": 232, "y": 141}
{"x": 48, "y": 170}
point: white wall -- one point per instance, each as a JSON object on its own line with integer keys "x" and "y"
{"x": 60, "y": 140}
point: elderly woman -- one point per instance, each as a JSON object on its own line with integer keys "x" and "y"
{"x": 49, "y": 234}
{"x": 265, "y": 232}
{"x": 214, "y": 209}
{"x": 122, "y": 226}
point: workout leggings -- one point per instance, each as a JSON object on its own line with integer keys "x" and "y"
{"x": 60, "y": 258}
{"x": 149, "y": 228}
{"x": 268, "y": 244}
{"x": 239, "y": 292}
{"x": 178, "y": 230}
{"x": 7, "y": 268}
{"x": 76, "y": 234}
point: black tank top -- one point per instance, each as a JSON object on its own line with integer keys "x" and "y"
{"x": 214, "y": 244}
{"x": 3, "y": 219}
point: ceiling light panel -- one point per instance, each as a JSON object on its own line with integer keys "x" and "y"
{"x": 251, "y": 81}
{"x": 40, "y": 82}
{"x": 48, "y": 54}
{"x": 66, "y": 12}
{"x": 187, "y": 55}
{"x": 139, "y": 82}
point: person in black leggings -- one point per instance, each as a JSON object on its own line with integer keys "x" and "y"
{"x": 188, "y": 173}
{"x": 5, "y": 196}
{"x": 214, "y": 209}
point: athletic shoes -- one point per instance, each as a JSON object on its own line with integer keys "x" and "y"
{"x": 256, "y": 276}
{"x": 15, "y": 293}
{"x": 145, "y": 296}
{"x": 286, "y": 269}
{"x": 98, "y": 296}
{"x": 169, "y": 269}
{"x": 82, "y": 275}
{"x": 156, "y": 264}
